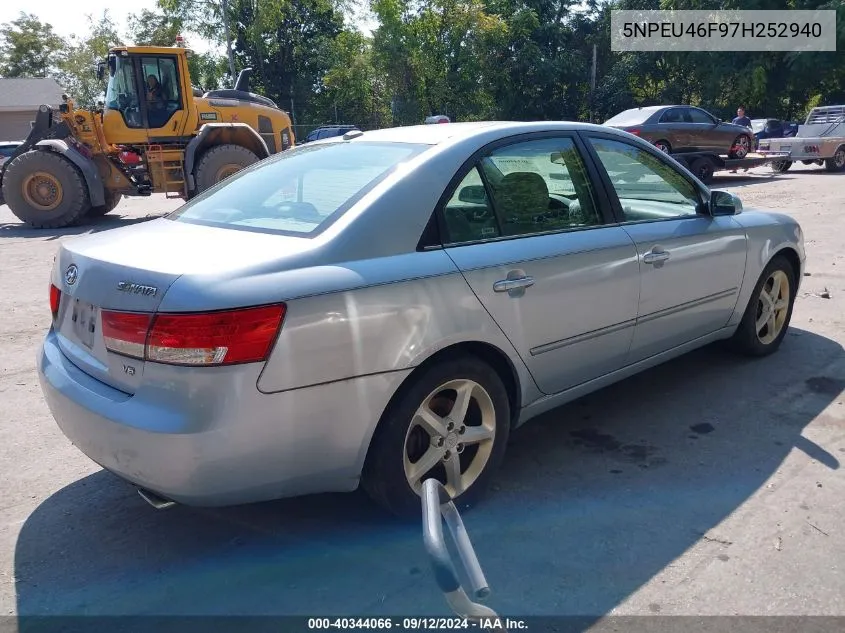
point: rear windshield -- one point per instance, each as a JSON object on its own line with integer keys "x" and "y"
{"x": 300, "y": 191}
{"x": 631, "y": 117}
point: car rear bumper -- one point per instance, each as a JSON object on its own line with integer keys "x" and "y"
{"x": 223, "y": 443}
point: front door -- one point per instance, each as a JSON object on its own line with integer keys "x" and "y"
{"x": 705, "y": 135}
{"x": 162, "y": 93}
{"x": 525, "y": 226}
{"x": 692, "y": 264}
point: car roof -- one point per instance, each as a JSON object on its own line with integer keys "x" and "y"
{"x": 437, "y": 134}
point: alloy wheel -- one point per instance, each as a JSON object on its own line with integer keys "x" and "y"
{"x": 772, "y": 307}
{"x": 450, "y": 437}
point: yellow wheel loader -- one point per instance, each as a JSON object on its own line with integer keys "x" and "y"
{"x": 153, "y": 134}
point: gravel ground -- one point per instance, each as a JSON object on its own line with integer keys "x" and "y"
{"x": 707, "y": 486}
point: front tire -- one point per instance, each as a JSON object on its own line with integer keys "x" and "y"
{"x": 781, "y": 166}
{"x": 45, "y": 190}
{"x": 220, "y": 162}
{"x": 741, "y": 147}
{"x": 423, "y": 435}
{"x": 769, "y": 310}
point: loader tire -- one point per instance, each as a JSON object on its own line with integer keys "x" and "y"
{"x": 45, "y": 190}
{"x": 220, "y": 162}
{"x": 112, "y": 200}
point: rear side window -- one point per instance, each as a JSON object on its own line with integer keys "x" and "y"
{"x": 673, "y": 115}
{"x": 298, "y": 192}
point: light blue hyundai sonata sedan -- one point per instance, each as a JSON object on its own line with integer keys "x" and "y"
{"x": 385, "y": 307}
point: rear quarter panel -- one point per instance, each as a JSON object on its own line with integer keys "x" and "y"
{"x": 390, "y": 322}
{"x": 768, "y": 234}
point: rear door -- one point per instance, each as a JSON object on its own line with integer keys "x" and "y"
{"x": 674, "y": 127}
{"x": 692, "y": 264}
{"x": 530, "y": 232}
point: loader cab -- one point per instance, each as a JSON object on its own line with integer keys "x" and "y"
{"x": 146, "y": 99}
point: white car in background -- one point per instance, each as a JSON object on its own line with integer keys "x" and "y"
{"x": 7, "y": 148}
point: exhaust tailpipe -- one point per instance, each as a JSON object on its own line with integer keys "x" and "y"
{"x": 156, "y": 501}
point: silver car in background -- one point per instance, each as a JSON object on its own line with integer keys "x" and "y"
{"x": 387, "y": 306}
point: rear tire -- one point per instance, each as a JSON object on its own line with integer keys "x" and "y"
{"x": 402, "y": 442}
{"x": 837, "y": 162}
{"x": 45, "y": 190}
{"x": 112, "y": 200}
{"x": 220, "y": 162}
{"x": 781, "y": 166}
{"x": 774, "y": 295}
{"x": 663, "y": 146}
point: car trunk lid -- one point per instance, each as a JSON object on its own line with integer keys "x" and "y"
{"x": 129, "y": 270}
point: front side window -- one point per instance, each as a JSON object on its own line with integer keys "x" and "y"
{"x": 540, "y": 186}
{"x": 700, "y": 116}
{"x": 647, "y": 187}
{"x": 122, "y": 93}
{"x": 298, "y": 192}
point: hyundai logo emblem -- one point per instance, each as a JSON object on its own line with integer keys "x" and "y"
{"x": 71, "y": 274}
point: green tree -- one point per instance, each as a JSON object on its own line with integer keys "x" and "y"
{"x": 154, "y": 28}
{"x": 352, "y": 90}
{"x": 78, "y": 64}
{"x": 28, "y": 47}
{"x": 160, "y": 28}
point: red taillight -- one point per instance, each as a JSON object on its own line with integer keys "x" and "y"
{"x": 126, "y": 332}
{"x": 634, "y": 131}
{"x": 55, "y": 299}
{"x": 213, "y": 338}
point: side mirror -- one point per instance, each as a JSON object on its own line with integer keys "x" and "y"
{"x": 101, "y": 70}
{"x": 474, "y": 194}
{"x": 724, "y": 203}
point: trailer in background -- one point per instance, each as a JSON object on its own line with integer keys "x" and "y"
{"x": 820, "y": 141}
{"x": 705, "y": 164}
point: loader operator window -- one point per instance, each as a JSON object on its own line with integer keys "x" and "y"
{"x": 161, "y": 89}
{"x": 122, "y": 93}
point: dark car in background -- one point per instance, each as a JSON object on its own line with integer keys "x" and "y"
{"x": 772, "y": 128}
{"x": 680, "y": 128}
{"x": 328, "y": 131}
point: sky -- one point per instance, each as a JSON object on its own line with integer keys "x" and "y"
{"x": 69, "y": 18}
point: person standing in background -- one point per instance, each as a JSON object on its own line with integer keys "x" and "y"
{"x": 742, "y": 120}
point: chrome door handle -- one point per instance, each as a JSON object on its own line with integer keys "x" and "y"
{"x": 506, "y": 285}
{"x": 652, "y": 257}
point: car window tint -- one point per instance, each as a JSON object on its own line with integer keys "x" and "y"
{"x": 298, "y": 191}
{"x": 647, "y": 187}
{"x": 698, "y": 116}
{"x": 540, "y": 186}
{"x": 468, "y": 215}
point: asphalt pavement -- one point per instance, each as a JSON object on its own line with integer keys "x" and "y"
{"x": 711, "y": 485}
